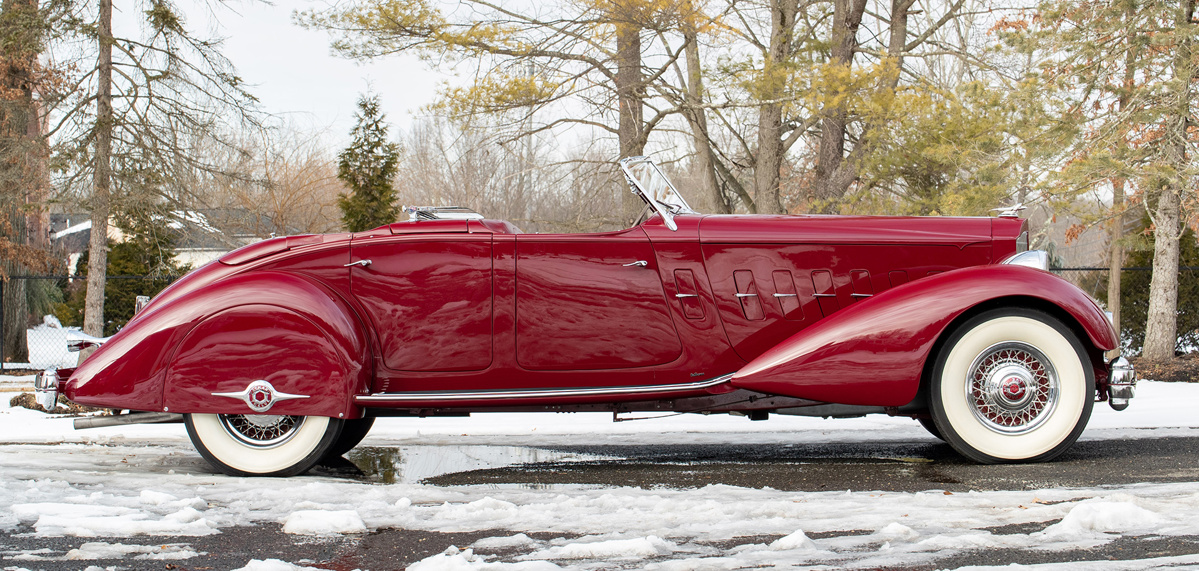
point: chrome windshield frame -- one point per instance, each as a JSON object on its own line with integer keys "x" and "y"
{"x": 676, "y": 204}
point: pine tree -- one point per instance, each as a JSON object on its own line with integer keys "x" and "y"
{"x": 368, "y": 167}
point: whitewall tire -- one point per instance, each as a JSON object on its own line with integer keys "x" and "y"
{"x": 262, "y": 445}
{"x": 1012, "y": 385}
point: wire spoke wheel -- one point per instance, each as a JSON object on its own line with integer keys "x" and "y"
{"x": 261, "y": 430}
{"x": 1013, "y": 387}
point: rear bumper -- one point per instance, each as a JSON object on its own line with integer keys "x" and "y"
{"x": 48, "y": 384}
{"x": 1121, "y": 384}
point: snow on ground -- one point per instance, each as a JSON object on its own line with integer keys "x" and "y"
{"x": 106, "y": 484}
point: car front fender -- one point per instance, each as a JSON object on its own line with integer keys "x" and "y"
{"x": 279, "y": 327}
{"x": 874, "y": 352}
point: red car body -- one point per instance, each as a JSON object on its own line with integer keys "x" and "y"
{"x": 727, "y": 313}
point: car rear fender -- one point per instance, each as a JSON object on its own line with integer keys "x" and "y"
{"x": 277, "y": 328}
{"x": 283, "y": 328}
{"x": 874, "y": 352}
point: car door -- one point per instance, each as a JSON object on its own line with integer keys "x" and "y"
{"x": 591, "y": 301}
{"x": 429, "y": 298}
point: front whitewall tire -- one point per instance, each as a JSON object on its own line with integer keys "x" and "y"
{"x": 298, "y": 450}
{"x": 1035, "y": 409}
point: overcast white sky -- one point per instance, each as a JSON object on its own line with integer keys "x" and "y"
{"x": 294, "y": 74}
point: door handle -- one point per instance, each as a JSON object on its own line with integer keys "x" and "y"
{"x": 363, "y": 263}
{"x": 638, "y": 263}
{"x": 786, "y": 295}
{"x": 682, "y": 295}
{"x": 746, "y": 294}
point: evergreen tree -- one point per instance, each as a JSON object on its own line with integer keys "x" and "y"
{"x": 147, "y": 250}
{"x": 368, "y": 167}
{"x": 1134, "y": 286}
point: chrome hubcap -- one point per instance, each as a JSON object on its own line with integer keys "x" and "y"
{"x": 1012, "y": 387}
{"x": 261, "y": 430}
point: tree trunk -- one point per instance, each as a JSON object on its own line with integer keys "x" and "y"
{"x": 1115, "y": 247}
{"x": 97, "y": 265}
{"x": 1161, "y": 326}
{"x": 630, "y": 99}
{"x": 833, "y": 173}
{"x": 697, "y": 119}
{"x": 20, "y": 44}
{"x": 768, "y": 163}
{"x": 1116, "y": 253}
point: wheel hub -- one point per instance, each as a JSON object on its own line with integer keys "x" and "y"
{"x": 261, "y": 430}
{"x": 1012, "y": 387}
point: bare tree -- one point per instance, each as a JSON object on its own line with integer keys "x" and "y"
{"x": 128, "y": 125}
{"x": 279, "y": 181}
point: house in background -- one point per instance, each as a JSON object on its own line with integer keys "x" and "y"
{"x": 200, "y": 241}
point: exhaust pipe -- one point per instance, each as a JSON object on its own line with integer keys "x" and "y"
{"x": 123, "y": 419}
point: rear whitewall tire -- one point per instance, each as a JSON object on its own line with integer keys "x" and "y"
{"x": 1039, "y": 415}
{"x": 293, "y": 452}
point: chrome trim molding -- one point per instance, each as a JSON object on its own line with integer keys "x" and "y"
{"x": 426, "y": 396}
{"x": 78, "y": 340}
{"x": 260, "y": 396}
{"x": 1012, "y": 211}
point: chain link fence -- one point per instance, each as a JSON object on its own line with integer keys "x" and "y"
{"x": 59, "y": 300}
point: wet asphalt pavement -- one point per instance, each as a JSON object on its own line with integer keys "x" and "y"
{"x": 890, "y": 466}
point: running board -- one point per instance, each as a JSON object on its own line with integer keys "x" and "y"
{"x": 451, "y": 396}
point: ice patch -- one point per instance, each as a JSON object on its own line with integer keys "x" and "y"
{"x": 518, "y": 540}
{"x": 154, "y": 498}
{"x": 454, "y": 560}
{"x": 100, "y": 550}
{"x": 317, "y": 522}
{"x": 274, "y": 565}
{"x": 639, "y": 548}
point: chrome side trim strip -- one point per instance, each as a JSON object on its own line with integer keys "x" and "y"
{"x": 424, "y": 396}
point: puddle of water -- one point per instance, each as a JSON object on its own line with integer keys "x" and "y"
{"x": 411, "y": 464}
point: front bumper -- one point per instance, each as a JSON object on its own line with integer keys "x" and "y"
{"x": 1121, "y": 383}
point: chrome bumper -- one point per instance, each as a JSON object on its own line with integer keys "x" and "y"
{"x": 45, "y": 388}
{"x": 1121, "y": 383}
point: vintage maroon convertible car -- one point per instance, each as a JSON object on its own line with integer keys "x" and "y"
{"x": 285, "y": 351}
